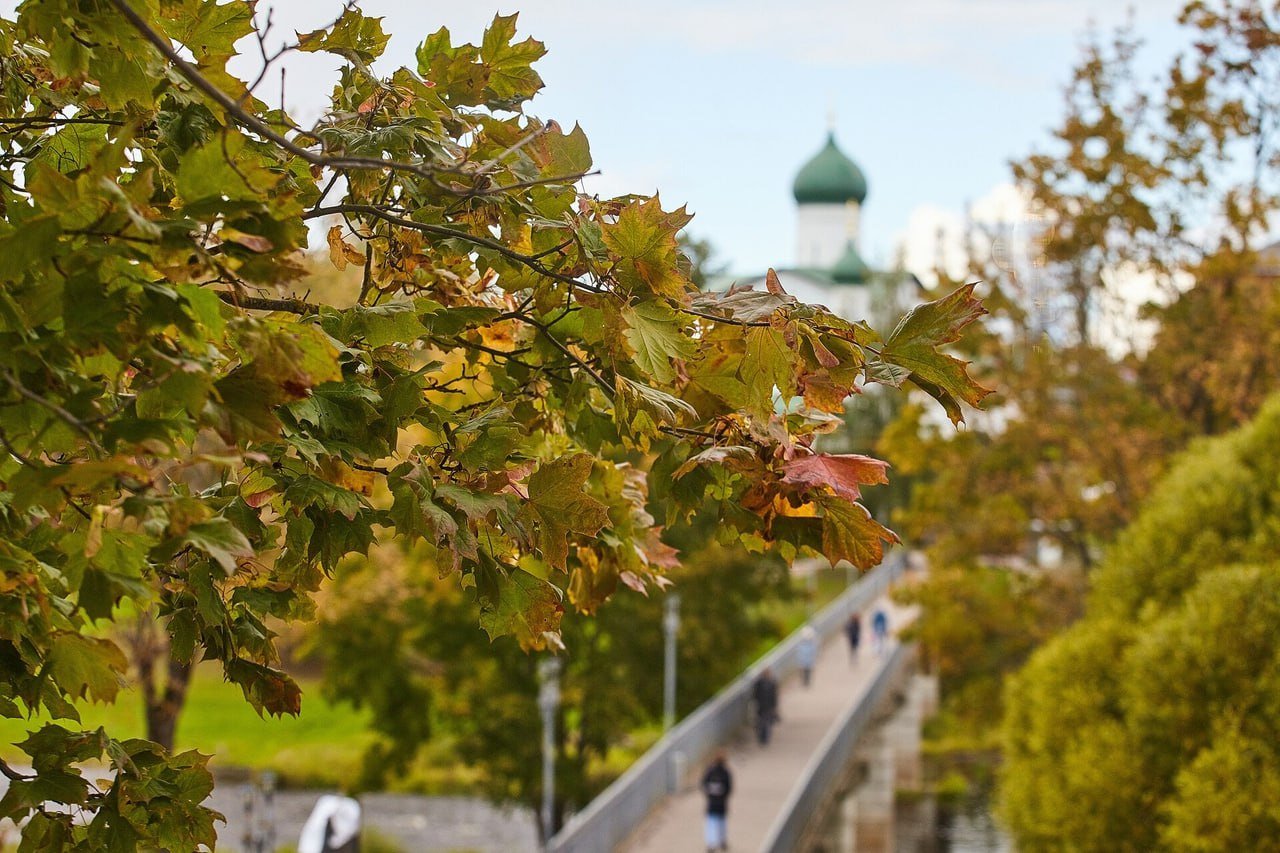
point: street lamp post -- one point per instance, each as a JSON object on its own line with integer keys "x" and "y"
{"x": 670, "y": 628}
{"x": 548, "y": 703}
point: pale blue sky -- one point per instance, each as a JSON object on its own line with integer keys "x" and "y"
{"x": 717, "y": 102}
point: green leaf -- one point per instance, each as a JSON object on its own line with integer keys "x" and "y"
{"x": 642, "y": 408}
{"x": 557, "y": 154}
{"x": 225, "y": 167}
{"x": 295, "y": 356}
{"x": 379, "y": 326}
{"x": 526, "y": 606}
{"x": 558, "y": 506}
{"x": 353, "y": 36}
{"x": 307, "y": 491}
{"x": 914, "y": 346}
{"x": 212, "y": 28}
{"x": 268, "y": 690}
{"x": 71, "y": 148}
{"x": 850, "y": 533}
{"x": 654, "y": 333}
{"x": 511, "y": 75}
{"x": 220, "y": 540}
{"x": 28, "y": 246}
{"x": 83, "y": 666}
{"x": 767, "y": 364}
{"x": 644, "y": 239}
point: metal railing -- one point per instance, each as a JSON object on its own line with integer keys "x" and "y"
{"x": 619, "y": 809}
{"x": 830, "y": 760}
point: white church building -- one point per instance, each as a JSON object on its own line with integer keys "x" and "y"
{"x": 829, "y": 191}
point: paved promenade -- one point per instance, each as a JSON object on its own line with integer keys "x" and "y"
{"x": 763, "y": 777}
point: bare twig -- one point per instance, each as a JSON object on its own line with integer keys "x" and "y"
{"x": 14, "y": 775}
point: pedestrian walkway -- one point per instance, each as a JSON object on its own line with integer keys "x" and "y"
{"x": 763, "y": 777}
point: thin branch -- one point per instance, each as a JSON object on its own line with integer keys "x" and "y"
{"x": 64, "y": 415}
{"x": 508, "y": 355}
{"x": 251, "y": 122}
{"x": 534, "y": 182}
{"x": 599, "y": 380}
{"x": 374, "y": 212}
{"x": 522, "y": 142}
{"x": 715, "y": 319}
{"x": 56, "y": 121}
{"x": 14, "y": 775}
{"x": 261, "y": 303}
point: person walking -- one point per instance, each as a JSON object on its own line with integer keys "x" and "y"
{"x": 807, "y": 653}
{"x": 717, "y": 785}
{"x": 880, "y": 627}
{"x": 333, "y": 827}
{"x": 765, "y": 694}
{"x": 853, "y": 631}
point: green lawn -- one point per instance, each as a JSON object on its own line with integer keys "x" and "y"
{"x": 322, "y": 746}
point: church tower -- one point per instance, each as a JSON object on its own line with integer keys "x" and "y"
{"x": 829, "y": 192}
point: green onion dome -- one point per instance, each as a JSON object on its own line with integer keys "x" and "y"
{"x": 850, "y": 269}
{"x": 830, "y": 178}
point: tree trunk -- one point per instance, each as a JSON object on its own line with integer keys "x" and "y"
{"x": 163, "y": 711}
{"x": 164, "y": 694}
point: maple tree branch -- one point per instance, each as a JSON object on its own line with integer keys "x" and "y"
{"x": 599, "y": 380}
{"x": 685, "y": 432}
{"x": 534, "y": 182}
{"x": 56, "y": 121}
{"x": 712, "y": 317}
{"x": 445, "y": 231}
{"x": 508, "y": 355}
{"x": 261, "y": 303}
{"x": 520, "y": 143}
{"x": 251, "y": 122}
{"x": 14, "y": 775}
{"x": 63, "y": 415}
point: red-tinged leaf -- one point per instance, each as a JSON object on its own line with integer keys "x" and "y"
{"x": 632, "y": 580}
{"x": 268, "y": 690}
{"x": 252, "y": 242}
{"x": 655, "y": 552}
{"x": 850, "y": 533}
{"x": 824, "y": 393}
{"x": 732, "y": 456}
{"x": 772, "y": 284}
{"x": 842, "y": 473}
{"x": 744, "y": 304}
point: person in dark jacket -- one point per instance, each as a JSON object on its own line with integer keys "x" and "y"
{"x": 717, "y": 784}
{"x": 765, "y": 694}
{"x": 853, "y": 631}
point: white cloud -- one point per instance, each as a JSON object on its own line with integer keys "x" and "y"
{"x": 956, "y": 33}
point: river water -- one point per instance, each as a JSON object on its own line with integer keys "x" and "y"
{"x": 920, "y": 823}
{"x": 925, "y": 825}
